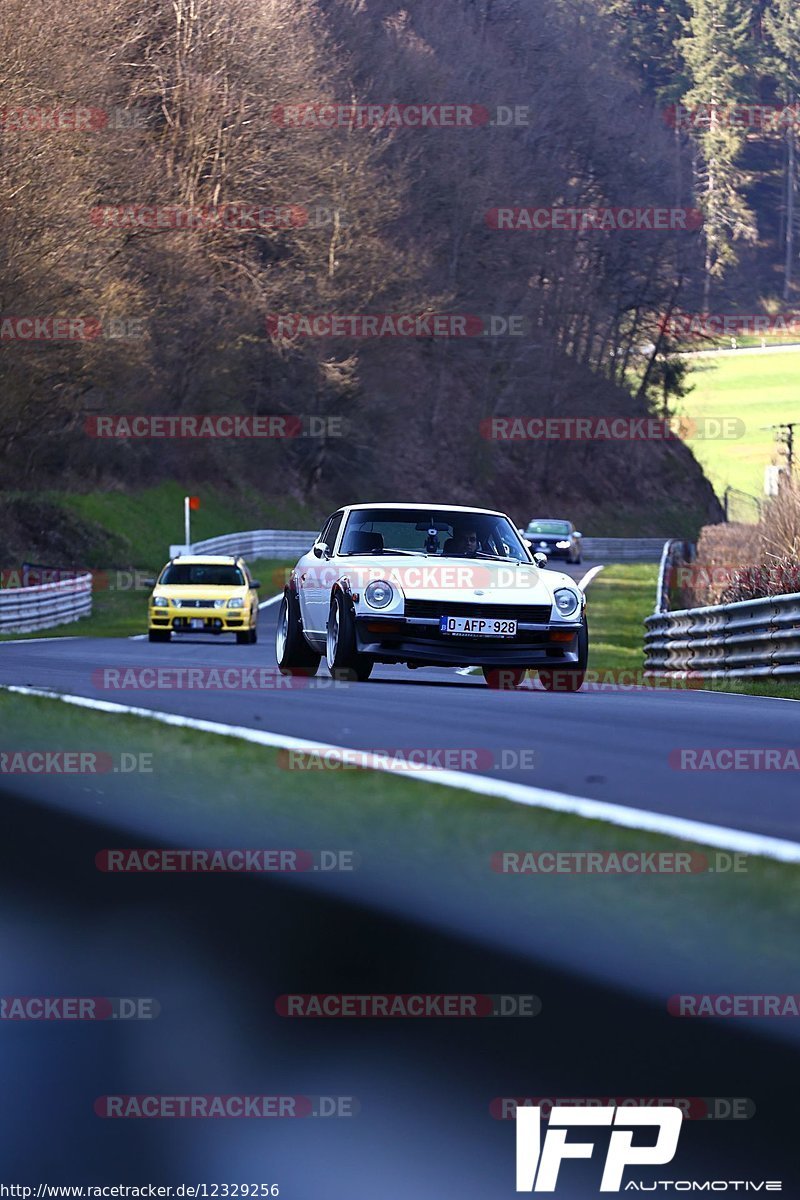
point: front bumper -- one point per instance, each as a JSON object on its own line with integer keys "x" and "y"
{"x": 420, "y": 641}
{"x": 215, "y": 620}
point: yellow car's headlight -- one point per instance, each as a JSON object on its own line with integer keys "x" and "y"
{"x": 236, "y": 603}
{"x": 160, "y": 602}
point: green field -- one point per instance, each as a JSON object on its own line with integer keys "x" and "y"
{"x": 760, "y": 390}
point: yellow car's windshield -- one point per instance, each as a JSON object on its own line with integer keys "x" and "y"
{"x": 206, "y": 574}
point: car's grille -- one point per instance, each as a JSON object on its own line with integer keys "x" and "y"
{"x": 536, "y": 613}
{"x": 197, "y": 604}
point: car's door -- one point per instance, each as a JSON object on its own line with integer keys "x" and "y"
{"x": 315, "y": 579}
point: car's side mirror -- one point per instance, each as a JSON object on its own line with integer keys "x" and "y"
{"x": 576, "y": 534}
{"x": 255, "y": 583}
{"x": 540, "y": 559}
{"x": 320, "y": 549}
{"x": 148, "y": 583}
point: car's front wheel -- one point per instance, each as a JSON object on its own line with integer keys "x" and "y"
{"x": 568, "y": 678}
{"x": 342, "y": 657}
{"x": 294, "y": 655}
{"x": 247, "y": 637}
{"x": 504, "y": 678}
{"x": 159, "y": 635}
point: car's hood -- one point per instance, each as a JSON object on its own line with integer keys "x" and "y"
{"x": 457, "y": 579}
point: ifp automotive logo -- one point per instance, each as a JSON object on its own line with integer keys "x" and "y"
{"x": 538, "y": 1165}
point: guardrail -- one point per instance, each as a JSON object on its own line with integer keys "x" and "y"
{"x": 26, "y": 609}
{"x": 260, "y": 543}
{"x": 601, "y": 549}
{"x": 748, "y": 639}
{"x": 288, "y": 543}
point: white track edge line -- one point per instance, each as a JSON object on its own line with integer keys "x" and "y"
{"x": 684, "y": 828}
{"x": 589, "y": 576}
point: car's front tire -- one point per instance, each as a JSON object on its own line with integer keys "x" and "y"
{"x": 568, "y": 678}
{"x": 159, "y": 635}
{"x": 294, "y": 655}
{"x": 504, "y": 678}
{"x": 247, "y": 637}
{"x": 341, "y": 655}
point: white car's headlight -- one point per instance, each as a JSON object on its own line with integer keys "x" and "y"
{"x": 160, "y": 602}
{"x": 567, "y": 601}
{"x": 236, "y": 603}
{"x": 562, "y": 545}
{"x": 379, "y": 593}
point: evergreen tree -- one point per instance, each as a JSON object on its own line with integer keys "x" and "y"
{"x": 782, "y": 25}
{"x": 718, "y": 52}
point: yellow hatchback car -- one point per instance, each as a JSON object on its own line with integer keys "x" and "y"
{"x": 204, "y": 594}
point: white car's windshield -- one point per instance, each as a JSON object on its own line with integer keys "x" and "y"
{"x": 439, "y": 532}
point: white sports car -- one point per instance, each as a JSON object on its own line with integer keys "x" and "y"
{"x": 431, "y": 585}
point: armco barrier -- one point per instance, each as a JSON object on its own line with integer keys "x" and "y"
{"x": 597, "y": 549}
{"x": 23, "y": 610}
{"x": 288, "y": 543}
{"x": 749, "y": 639}
{"x": 260, "y": 543}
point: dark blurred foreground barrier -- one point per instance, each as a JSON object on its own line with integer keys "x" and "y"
{"x": 215, "y": 952}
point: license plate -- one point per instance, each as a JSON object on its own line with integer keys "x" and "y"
{"x": 477, "y": 626}
{"x": 198, "y": 623}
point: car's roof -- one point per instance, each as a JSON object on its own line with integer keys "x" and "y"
{"x": 494, "y": 512}
{"x": 562, "y": 520}
{"x": 210, "y": 560}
